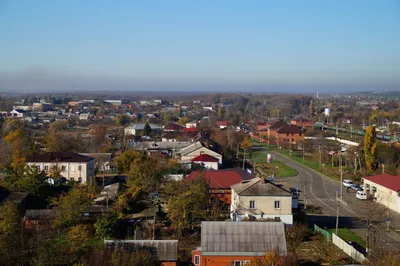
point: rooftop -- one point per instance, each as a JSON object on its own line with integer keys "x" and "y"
{"x": 224, "y": 178}
{"x": 388, "y": 181}
{"x": 242, "y": 237}
{"x": 50, "y": 157}
{"x": 259, "y": 187}
{"x": 166, "y": 249}
{"x": 205, "y": 158}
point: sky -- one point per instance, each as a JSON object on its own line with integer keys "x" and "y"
{"x": 291, "y": 46}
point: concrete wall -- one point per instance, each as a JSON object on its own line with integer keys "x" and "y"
{"x": 347, "y": 248}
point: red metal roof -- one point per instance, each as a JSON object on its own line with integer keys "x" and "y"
{"x": 388, "y": 181}
{"x": 205, "y": 158}
{"x": 221, "y": 178}
{"x": 190, "y": 129}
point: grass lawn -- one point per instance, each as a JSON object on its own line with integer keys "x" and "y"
{"x": 348, "y": 235}
{"x": 282, "y": 170}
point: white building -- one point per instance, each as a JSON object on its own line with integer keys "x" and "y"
{"x": 385, "y": 189}
{"x": 192, "y": 124}
{"x": 73, "y": 166}
{"x": 113, "y": 102}
{"x": 18, "y": 113}
{"x": 206, "y": 161}
{"x": 261, "y": 199}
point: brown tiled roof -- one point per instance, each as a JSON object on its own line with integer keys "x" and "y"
{"x": 277, "y": 124}
{"x": 290, "y": 129}
{"x": 50, "y": 157}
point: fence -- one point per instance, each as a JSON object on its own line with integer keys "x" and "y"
{"x": 323, "y": 232}
{"x": 348, "y": 249}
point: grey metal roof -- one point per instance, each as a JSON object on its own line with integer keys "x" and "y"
{"x": 259, "y": 187}
{"x": 242, "y": 237}
{"x": 191, "y": 148}
{"x": 141, "y": 126}
{"x": 166, "y": 249}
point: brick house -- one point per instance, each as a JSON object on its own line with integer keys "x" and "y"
{"x": 238, "y": 243}
{"x": 282, "y": 133}
{"x": 221, "y": 181}
{"x": 301, "y": 122}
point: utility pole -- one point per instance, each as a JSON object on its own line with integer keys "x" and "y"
{"x": 244, "y": 158}
{"x": 303, "y": 151}
{"x": 337, "y": 212}
{"x": 341, "y": 184}
{"x": 305, "y": 197}
{"x": 320, "y": 158}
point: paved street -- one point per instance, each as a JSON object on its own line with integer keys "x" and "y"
{"x": 321, "y": 191}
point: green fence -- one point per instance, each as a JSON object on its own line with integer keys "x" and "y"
{"x": 323, "y": 232}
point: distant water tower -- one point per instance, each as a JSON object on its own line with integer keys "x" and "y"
{"x": 327, "y": 111}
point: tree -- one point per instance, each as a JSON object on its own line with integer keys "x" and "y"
{"x": 78, "y": 237}
{"x": 246, "y": 145}
{"x": 220, "y": 111}
{"x": 25, "y": 178}
{"x": 122, "y": 120}
{"x": 146, "y": 129}
{"x": 370, "y": 147}
{"x": 182, "y": 121}
{"x": 271, "y": 258}
{"x": 126, "y": 159}
{"x": 104, "y": 226}
{"x": 71, "y": 206}
{"x": 20, "y": 147}
{"x": 167, "y": 118}
{"x": 9, "y": 218}
{"x": 187, "y": 201}
{"x": 295, "y": 235}
{"x": 147, "y": 172}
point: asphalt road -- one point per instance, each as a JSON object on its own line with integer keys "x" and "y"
{"x": 322, "y": 191}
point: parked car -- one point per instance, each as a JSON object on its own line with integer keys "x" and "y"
{"x": 355, "y": 187}
{"x": 361, "y": 195}
{"x": 347, "y": 183}
{"x": 362, "y": 187}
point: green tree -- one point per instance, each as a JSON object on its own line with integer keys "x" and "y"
{"x": 126, "y": 159}
{"x": 370, "y": 147}
{"x": 104, "y": 226}
{"x": 187, "y": 202}
{"x": 71, "y": 206}
{"x": 122, "y": 120}
{"x": 183, "y": 120}
{"x": 24, "y": 179}
{"x": 220, "y": 111}
{"x": 9, "y": 218}
{"x": 147, "y": 172}
{"x": 167, "y": 118}
{"x": 147, "y": 129}
{"x": 78, "y": 237}
{"x": 311, "y": 108}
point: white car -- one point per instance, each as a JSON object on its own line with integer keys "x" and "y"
{"x": 361, "y": 195}
{"x": 347, "y": 183}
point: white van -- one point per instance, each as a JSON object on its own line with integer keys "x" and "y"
{"x": 361, "y": 195}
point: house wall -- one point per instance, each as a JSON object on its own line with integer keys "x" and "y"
{"x": 130, "y": 131}
{"x": 71, "y": 171}
{"x": 387, "y": 197}
{"x": 264, "y": 207}
{"x": 222, "y": 260}
{"x": 168, "y": 263}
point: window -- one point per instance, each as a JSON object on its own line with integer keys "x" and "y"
{"x": 80, "y": 180}
{"x": 240, "y": 262}
{"x": 196, "y": 260}
{"x": 277, "y": 204}
{"x": 79, "y": 168}
{"x": 287, "y": 134}
{"x": 252, "y": 204}
{"x": 63, "y": 168}
{"x": 46, "y": 168}
{"x": 72, "y": 168}
{"x": 246, "y": 262}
